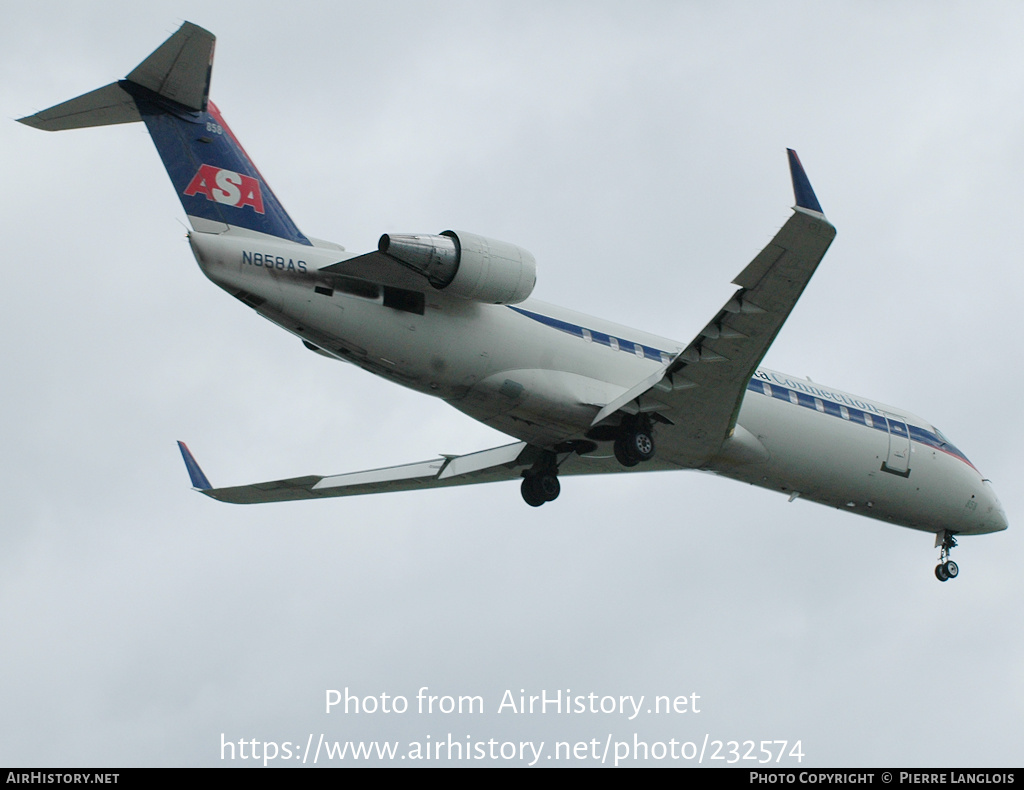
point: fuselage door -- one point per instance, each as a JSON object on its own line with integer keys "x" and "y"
{"x": 898, "y": 460}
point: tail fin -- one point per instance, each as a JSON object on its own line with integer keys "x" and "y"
{"x": 217, "y": 183}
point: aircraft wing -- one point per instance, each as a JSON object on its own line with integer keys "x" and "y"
{"x": 488, "y": 466}
{"x": 698, "y": 393}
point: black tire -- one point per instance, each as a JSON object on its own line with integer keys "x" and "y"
{"x": 941, "y": 574}
{"x": 531, "y": 492}
{"x": 547, "y": 486}
{"x": 622, "y": 453}
{"x": 640, "y": 444}
{"x": 952, "y": 571}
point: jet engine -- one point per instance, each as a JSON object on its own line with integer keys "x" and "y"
{"x": 466, "y": 265}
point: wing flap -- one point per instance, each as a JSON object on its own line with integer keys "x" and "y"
{"x": 486, "y": 459}
{"x": 393, "y": 474}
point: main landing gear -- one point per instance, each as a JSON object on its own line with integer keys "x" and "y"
{"x": 540, "y": 482}
{"x": 946, "y": 569}
{"x": 540, "y": 487}
{"x": 636, "y": 441}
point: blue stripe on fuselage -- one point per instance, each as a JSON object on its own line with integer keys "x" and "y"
{"x": 622, "y": 344}
{"x": 858, "y": 416}
{"x": 774, "y": 390}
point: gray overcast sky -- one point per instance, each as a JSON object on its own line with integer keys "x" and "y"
{"x": 639, "y": 154}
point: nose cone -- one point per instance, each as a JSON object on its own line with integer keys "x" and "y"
{"x": 990, "y": 511}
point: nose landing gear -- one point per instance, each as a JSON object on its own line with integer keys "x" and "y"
{"x": 946, "y": 569}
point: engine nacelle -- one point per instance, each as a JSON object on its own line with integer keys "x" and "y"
{"x": 466, "y": 265}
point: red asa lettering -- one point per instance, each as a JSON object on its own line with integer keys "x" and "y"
{"x": 227, "y": 187}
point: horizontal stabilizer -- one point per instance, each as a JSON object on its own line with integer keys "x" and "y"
{"x": 104, "y": 106}
{"x": 179, "y": 70}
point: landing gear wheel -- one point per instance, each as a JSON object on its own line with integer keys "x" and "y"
{"x": 548, "y": 486}
{"x": 622, "y": 454}
{"x": 951, "y": 569}
{"x": 941, "y": 573}
{"x": 640, "y": 444}
{"x": 540, "y": 488}
{"x": 531, "y": 495}
{"x": 635, "y": 442}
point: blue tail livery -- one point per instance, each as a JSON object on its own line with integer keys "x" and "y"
{"x": 169, "y": 91}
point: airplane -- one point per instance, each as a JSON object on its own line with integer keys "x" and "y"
{"x": 450, "y": 315}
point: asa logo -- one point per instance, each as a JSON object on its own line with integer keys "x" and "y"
{"x": 227, "y": 187}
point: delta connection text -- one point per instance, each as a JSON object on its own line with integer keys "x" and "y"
{"x": 544, "y": 702}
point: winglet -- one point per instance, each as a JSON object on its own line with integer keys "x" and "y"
{"x": 199, "y": 480}
{"x": 802, "y": 189}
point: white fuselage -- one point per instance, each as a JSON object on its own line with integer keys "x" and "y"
{"x": 540, "y": 373}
